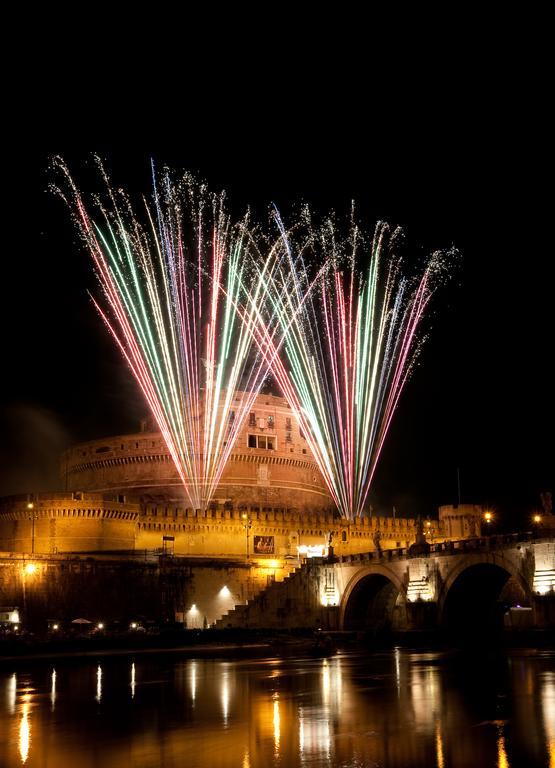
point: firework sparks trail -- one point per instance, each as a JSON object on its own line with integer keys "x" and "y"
{"x": 180, "y": 311}
{"x": 345, "y": 350}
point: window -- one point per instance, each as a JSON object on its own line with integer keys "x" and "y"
{"x": 288, "y": 422}
{"x": 266, "y": 442}
{"x": 252, "y": 419}
{"x": 288, "y": 438}
{"x": 301, "y": 433}
{"x": 270, "y": 422}
{"x": 231, "y": 417}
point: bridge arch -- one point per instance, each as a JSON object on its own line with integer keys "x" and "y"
{"x": 476, "y": 591}
{"x": 371, "y": 600}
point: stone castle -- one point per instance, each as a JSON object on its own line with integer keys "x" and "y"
{"x": 123, "y": 510}
{"x": 123, "y": 493}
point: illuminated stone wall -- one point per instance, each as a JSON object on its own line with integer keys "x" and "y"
{"x": 124, "y": 589}
{"x": 66, "y": 523}
{"x": 91, "y": 522}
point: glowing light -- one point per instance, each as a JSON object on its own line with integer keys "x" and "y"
{"x": 133, "y": 625}
{"x": 181, "y": 299}
{"x": 548, "y": 707}
{"x": 537, "y": 518}
{"x": 440, "y": 760}
{"x": 276, "y": 721}
{"x": 53, "y": 690}
{"x": 100, "y": 625}
{"x": 349, "y": 345}
{"x": 502, "y": 759}
{"x": 30, "y": 569}
{"x": 55, "y": 627}
{"x": 225, "y": 697}
{"x": 193, "y": 681}
{"x": 224, "y": 593}
{"x": 30, "y": 505}
{"x": 99, "y": 684}
{"x": 12, "y": 692}
{"x": 325, "y": 682}
{"x": 330, "y": 598}
{"x": 193, "y": 618}
{"x": 132, "y": 680}
{"x": 24, "y": 732}
{"x": 397, "y": 656}
{"x": 488, "y": 516}
{"x": 202, "y": 308}
{"x": 312, "y": 550}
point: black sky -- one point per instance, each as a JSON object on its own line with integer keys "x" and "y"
{"x": 458, "y": 159}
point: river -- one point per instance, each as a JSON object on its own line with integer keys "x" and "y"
{"x": 396, "y": 709}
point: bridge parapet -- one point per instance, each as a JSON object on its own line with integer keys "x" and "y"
{"x": 410, "y": 591}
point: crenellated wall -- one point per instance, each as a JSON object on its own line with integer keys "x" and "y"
{"x": 67, "y": 523}
{"x": 89, "y": 522}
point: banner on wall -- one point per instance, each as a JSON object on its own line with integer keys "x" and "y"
{"x": 264, "y": 545}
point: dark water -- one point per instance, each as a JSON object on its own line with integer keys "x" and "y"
{"x": 398, "y": 709}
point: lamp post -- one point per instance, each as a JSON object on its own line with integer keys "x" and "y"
{"x": 247, "y": 525}
{"x": 32, "y": 517}
{"x": 29, "y": 569}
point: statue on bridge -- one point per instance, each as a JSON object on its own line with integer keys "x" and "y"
{"x": 420, "y": 546}
{"x": 376, "y": 538}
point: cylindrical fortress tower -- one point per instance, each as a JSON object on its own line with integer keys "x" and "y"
{"x": 270, "y": 465}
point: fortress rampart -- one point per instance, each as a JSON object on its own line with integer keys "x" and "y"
{"x": 123, "y": 494}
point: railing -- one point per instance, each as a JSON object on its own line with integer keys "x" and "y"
{"x": 478, "y": 544}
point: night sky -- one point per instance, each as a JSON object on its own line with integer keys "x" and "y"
{"x": 462, "y": 166}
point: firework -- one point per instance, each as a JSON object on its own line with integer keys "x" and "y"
{"x": 346, "y": 344}
{"x": 174, "y": 282}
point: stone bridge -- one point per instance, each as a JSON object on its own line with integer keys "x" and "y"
{"x": 507, "y": 579}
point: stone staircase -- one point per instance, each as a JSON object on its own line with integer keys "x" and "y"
{"x": 289, "y": 603}
{"x": 544, "y": 580}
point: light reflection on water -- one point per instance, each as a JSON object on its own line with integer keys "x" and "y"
{"x": 399, "y": 709}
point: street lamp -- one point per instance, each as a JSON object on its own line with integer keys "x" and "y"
{"x": 488, "y": 519}
{"x": 29, "y": 569}
{"x": 247, "y": 525}
{"x": 33, "y": 516}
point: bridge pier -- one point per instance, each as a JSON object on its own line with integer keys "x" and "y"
{"x": 422, "y": 615}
